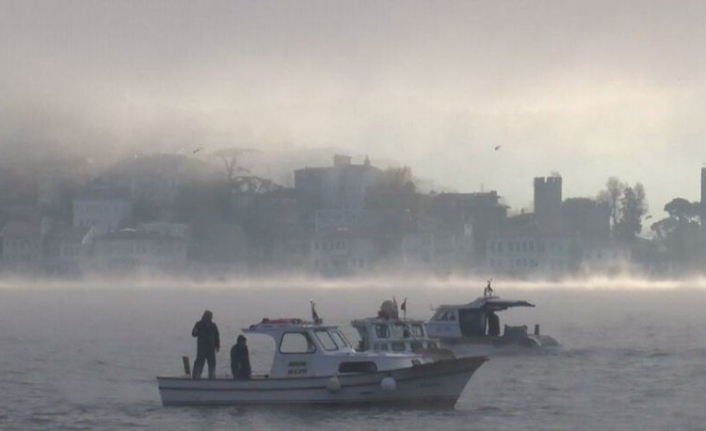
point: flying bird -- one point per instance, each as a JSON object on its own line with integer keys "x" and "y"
{"x": 648, "y": 217}
{"x": 497, "y": 147}
{"x": 197, "y": 150}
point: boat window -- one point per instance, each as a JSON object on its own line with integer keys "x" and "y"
{"x": 417, "y": 330}
{"x": 383, "y": 347}
{"x": 400, "y": 330}
{"x": 416, "y": 345}
{"x": 398, "y": 347}
{"x": 445, "y": 316}
{"x": 382, "y": 331}
{"x": 357, "y": 367}
{"x": 296, "y": 342}
{"x": 432, "y": 345}
{"x": 472, "y": 323}
{"x": 338, "y": 339}
{"x": 325, "y": 339}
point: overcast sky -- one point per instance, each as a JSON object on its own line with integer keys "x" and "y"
{"x": 588, "y": 89}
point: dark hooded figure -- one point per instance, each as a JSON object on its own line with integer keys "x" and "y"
{"x": 493, "y": 324}
{"x": 207, "y": 344}
{"x": 240, "y": 359}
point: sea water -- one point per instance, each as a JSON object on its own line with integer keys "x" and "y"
{"x": 84, "y": 356}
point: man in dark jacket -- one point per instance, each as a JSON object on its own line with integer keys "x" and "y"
{"x": 240, "y": 359}
{"x": 207, "y": 344}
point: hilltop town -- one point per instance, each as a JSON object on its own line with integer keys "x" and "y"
{"x": 205, "y": 214}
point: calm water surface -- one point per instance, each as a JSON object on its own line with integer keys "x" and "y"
{"x": 85, "y": 357}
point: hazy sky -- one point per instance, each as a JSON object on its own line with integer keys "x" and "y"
{"x": 589, "y": 89}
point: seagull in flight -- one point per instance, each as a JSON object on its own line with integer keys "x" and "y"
{"x": 497, "y": 147}
{"x": 197, "y": 150}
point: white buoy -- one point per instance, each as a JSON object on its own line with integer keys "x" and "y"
{"x": 388, "y": 384}
{"x": 333, "y": 384}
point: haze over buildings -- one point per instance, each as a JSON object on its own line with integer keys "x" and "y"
{"x": 589, "y": 89}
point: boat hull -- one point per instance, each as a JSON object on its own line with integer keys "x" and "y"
{"x": 488, "y": 346}
{"x": 437, "y": 384}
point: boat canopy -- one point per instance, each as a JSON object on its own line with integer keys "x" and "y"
{"x": 493, "y": 303}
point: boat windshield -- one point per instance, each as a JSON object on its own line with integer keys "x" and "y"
{"x": 325, "y": 339}
{"x": 339, "y": 339}
{"x": 445, "y": 316}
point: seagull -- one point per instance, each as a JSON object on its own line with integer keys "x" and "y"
{"x": 197, "y": 150}
{"x": 497, "y": 147}
{"x": 648, "y": 217}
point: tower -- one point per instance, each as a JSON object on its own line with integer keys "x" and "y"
{"x": 547, "y": 203}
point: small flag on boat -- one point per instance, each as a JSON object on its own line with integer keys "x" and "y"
{"x": 314, "y": 315}
{"x": 403, "y": 307}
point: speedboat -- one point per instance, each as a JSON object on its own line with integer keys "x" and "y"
{"x": 473, "y": 328}
{"x": 314, "y": 364}
{"x": 387, "y": 332}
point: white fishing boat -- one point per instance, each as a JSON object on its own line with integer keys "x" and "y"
{"x": 387, "y": 332}
{"x": 314, "y": 364}
{"x": 474, "y": 328}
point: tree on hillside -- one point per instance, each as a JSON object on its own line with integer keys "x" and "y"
{"x": 683, "y": 210}
{"x": 627, "y": 205}
{"x": 612, "y": 195}
{"x": 230, "y": 158}
{"x": 633, "y": 206}
{"x": 678, "y": 230}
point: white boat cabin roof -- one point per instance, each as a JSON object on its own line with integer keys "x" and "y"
{"x": 274, "y": 327}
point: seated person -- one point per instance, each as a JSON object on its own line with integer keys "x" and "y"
{"x": 240, "y": 359}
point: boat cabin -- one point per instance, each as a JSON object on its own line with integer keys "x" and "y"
{"x": 305, "y": 349}
{"x": 475, "y": 319}
{"x": 393, "y": 335}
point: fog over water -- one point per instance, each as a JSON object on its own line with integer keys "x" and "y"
{"x": 471, "y": 95}
{"x": 84, "y": 356}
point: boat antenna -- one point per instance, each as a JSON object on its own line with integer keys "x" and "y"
{"x": 314, "y": 315}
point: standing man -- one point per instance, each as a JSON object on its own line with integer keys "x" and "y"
{"x": 208, "y": 343}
